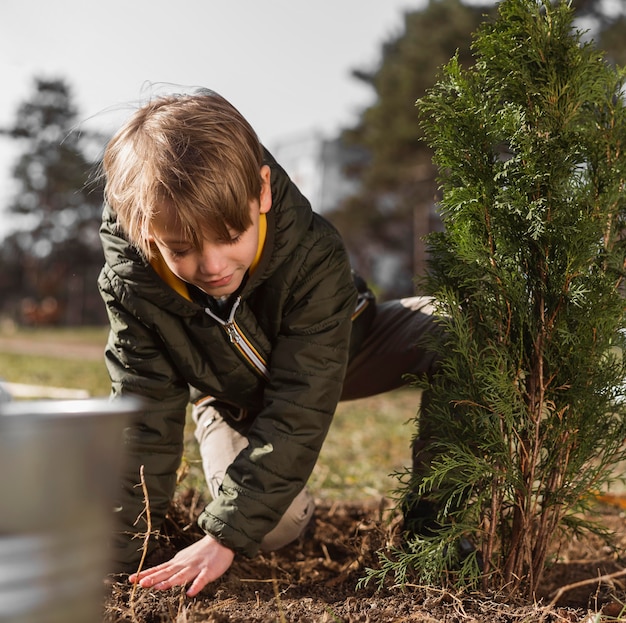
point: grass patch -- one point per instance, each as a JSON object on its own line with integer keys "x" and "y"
{"x": 93, "y": 336}
{"x": 369, "y": 440}
{"x": 71, "y": 357}
{"x": 56, "y": 372}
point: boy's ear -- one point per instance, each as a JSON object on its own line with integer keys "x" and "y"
{"x": 265, "y": 200}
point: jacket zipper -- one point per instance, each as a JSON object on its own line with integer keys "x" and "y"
{"x": 239, "y": 340}
{"x": 362, "y": 302}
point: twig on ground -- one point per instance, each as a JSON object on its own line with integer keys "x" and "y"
{"x": 146, "y": 539}
{"x": 181, "y": 615}
{"x": 279, "y": 603}
{"x": 443, "y": 591}
{"x": 603, "y": 578}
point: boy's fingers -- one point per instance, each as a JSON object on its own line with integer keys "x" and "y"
{"x": 179, "y": 578}
{"x": 169, "y": 576}
{"x": 151, "y": 577}
{"x": 134, "y": 577}
{"x": 202, "y": 579}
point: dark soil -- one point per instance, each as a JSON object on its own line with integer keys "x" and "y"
{"x": 315, "y": 580}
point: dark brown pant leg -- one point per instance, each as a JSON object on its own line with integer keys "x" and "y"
{"x": 391, "y": 349}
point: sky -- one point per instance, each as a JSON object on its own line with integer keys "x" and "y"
{"x": 285, "y": 64}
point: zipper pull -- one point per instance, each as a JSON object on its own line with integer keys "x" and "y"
{"x": 232, "y": 332}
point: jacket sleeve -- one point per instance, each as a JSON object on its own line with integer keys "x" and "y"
{"x": 307, "y": 368}
{"x": 138, "y": 366}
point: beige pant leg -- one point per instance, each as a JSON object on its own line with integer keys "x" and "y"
{"x": 219, "y": 445}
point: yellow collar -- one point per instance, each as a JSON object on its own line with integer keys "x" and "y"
{"x": 178, "y": 285}
{"x": 262, "y": 234}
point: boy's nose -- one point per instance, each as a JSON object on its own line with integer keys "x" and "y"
{"x": 212, "y": 262}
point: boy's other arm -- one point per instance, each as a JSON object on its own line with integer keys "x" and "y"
{"x": 137, "y": 366}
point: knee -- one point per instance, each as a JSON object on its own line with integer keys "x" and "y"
{"x": 292, "y": 524}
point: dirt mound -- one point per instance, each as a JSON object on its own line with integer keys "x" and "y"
{"x": 315, "y": 580}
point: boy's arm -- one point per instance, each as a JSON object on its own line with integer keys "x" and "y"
{"x": 307, "y": 368}
{"x": 138, "y": 367}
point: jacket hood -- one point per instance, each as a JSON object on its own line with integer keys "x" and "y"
{"x": 285, "y": 227}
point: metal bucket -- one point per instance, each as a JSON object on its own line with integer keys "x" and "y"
{"x": 59, "y": 466}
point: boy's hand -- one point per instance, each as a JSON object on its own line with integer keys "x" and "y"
{"x": 202, "y": 562}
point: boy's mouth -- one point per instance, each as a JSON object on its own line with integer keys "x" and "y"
{"x": 218, "y": 283}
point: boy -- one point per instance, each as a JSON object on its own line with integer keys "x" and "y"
{"x": 225, "y": 289}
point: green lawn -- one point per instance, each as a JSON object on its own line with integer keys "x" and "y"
{"x": 55, "y": 357}
{"x": 43, "y": 370}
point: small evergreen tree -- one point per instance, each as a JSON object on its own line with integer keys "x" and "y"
{"x": 528, "y": 405}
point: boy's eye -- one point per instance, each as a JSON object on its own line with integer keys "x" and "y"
{"x": 179, "y": 252}
{"x": 234, "y": 239}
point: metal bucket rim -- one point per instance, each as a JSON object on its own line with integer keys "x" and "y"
{"x": 70, "y": 408}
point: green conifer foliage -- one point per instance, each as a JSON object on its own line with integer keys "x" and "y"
{"x": 528, "y": 407}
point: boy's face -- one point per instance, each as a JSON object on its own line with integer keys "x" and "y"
{"x": 221, "y": 265}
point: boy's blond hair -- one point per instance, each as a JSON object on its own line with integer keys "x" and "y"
{"x": 194, "y": 154}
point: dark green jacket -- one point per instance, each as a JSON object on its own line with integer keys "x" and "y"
{"x": 295, "y": 310}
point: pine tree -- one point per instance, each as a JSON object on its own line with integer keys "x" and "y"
{"x": 528, "y": 405}
{"x": 56, "y": 211}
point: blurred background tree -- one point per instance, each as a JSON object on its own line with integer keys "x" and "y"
{"x": 605, "y": 22}
{"x": 52, "y": 256}
{"x": 384, "y": 223}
